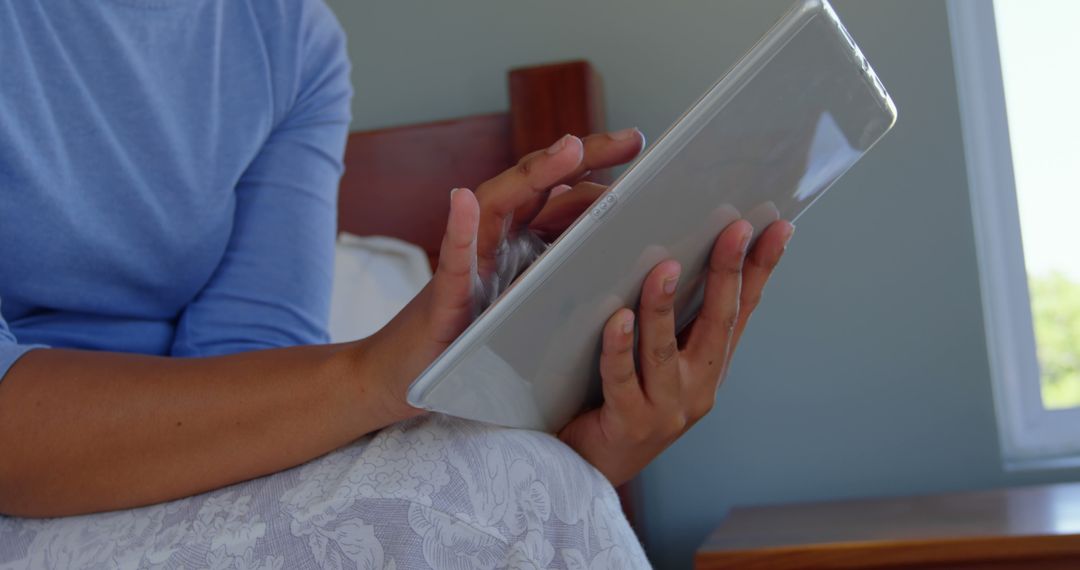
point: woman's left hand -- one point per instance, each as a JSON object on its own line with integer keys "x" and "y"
{"x": 647, "y": 407}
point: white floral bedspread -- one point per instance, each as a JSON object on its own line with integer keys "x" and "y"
{"x": 431, "y": 493}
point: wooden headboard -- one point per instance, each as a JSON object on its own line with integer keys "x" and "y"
{"x": 397, "y": 181}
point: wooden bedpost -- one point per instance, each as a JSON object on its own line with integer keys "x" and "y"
{"x": 549, "y": 101}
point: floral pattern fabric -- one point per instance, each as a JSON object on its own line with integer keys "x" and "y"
{"x": 435, "y": 492}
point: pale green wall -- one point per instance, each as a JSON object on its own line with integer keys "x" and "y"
{"x": 865, "y": 372}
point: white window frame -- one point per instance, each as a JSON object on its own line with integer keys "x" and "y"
{"x": 1031, "y": 436}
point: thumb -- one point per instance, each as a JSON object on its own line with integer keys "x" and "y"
{"x": 452, "y": 284}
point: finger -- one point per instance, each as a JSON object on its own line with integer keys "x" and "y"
{"x": 523, "y": 187}
{"x": 711, "y": 334}
{"x": 657, "y": 349}
{"x": 564, "y": 207}
{"x": 598, "y": 151}
{"x": 513, "y": 198}
{"x": 621, "y": 386}
{"x": 601, "y": 150}
{"x": 605, "y": 150}
{"x": 758, "y": 267}
{"x": 453, "y": 279}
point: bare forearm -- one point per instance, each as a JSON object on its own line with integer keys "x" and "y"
{"x": 83, "y": 432}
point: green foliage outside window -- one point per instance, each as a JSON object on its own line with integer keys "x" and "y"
{"x": 1055, "y": 305}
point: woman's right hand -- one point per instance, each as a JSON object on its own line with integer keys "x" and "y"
{"x": 531, "y": 195}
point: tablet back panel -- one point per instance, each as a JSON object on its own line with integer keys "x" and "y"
{"x": 767, "y": 140}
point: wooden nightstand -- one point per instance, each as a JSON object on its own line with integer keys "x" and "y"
{"x": 1024, "y": 527}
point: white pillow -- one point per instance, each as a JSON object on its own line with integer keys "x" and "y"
{"x": 374, "y": 278}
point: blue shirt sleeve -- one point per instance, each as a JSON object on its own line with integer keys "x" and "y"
{"x": 10, "y": 349}
{"x": 272, "y": 286}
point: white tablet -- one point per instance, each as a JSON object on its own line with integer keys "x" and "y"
{"x": 799, "y": 109}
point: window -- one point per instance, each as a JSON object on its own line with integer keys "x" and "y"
{"x": 1014, "y": 63}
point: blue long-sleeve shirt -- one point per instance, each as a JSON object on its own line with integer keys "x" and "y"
{"x": 168, "y": 174}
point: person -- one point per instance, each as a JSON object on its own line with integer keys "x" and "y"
{"x": 168, "y": 176}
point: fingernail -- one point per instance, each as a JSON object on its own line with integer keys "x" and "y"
{"x": 559, "y": 145}
{"x": 560, "y": 189}
{"x": 744, "y": 242}
{"x": 788, "y": 233}
{"x": 625, "y": 134}
{"x": 452, "y": 192}
{"x": 628, "y": 324}
{"x": 670, "y": 283}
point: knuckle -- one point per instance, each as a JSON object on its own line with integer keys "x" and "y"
{"x": 665, "y": 353}
{"x": 482, "y": 192}
{"x": 752, "y": 300}
{"x": 731, "y": 268}
{"x": 525, "y": 166}
{"x": 638, "y": 432}
{"x": 673, "y": 425}
{"x": 701, "y": 407}
{"x": 493, "y": 204}
{"x": 774, "y": 260}
{"x": 594, "y": 137}
{"x": 445, "y": 268}
{"x": 618, "y": 351}
{"x": 730, "y": 319}
{"x": 756, "y": 261}
{"x": 452, "y": 244}
{"x": 762, "y": 262}
{"x": 664, "y": 309}
{"x": 488, "y": 194}
{"x": 623, "y": 376}
{"x": 766, "y": 262}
